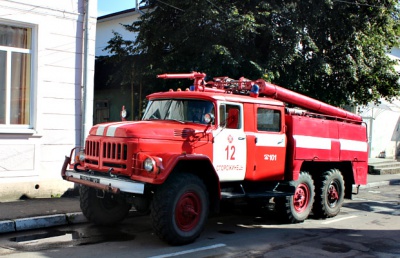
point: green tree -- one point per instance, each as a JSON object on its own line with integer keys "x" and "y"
{"x": 332, "y": 50}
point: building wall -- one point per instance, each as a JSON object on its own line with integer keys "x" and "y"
{"x": 383, "y": 121}
{"x": 31, "y": 158}
{"x": 383, "y": 129}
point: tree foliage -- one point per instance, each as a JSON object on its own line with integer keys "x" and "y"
{"x": 332, "y": 50}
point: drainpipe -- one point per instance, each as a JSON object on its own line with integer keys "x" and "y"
{"x": 85, "y": 94}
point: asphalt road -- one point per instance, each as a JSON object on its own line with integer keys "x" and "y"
{"x": 368, "y": 226}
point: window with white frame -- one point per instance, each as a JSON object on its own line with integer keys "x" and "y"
{"x": 15, "y": 76}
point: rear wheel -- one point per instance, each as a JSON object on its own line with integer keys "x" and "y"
{"x": 108, "y": 210}
{"x": 329, "y": 194}
{"x": 180, "y": 209}
{"x": 296, "y": 208}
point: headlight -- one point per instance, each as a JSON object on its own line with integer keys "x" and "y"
{"x": 148, "y": 164}
{"x": 82, "y": 156}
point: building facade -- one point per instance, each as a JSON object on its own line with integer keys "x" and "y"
{"x": 383, "y": 121}
{"x": 47, "y": 53}
{"x": 113, "y": 22}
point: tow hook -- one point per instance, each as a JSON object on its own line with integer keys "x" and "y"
{"x": 110, "y": 173}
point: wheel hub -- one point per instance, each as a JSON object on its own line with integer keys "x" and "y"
{"x": 333, "y": 195}
{"x": 300, "y": 198}
{"x": 187, "y": 213}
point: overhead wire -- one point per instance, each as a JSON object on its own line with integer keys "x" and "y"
{"x": 353, "y": 3}
{"x": 170, "y": 5}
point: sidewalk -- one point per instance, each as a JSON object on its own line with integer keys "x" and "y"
{"x": 47, "y": 212}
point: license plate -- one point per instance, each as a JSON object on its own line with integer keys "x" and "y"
{"x": 95, "y": 180}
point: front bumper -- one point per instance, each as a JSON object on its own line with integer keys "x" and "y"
{"x": 113, "y": 185}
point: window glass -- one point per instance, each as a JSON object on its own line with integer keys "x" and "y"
{"x": 3, "y": 56}
{"x": 15, "y": 75}
{"x": 230, "y": 116}
{"x": 20, "y": 90}
{"x": 12, "y": 36}
{"x": 268, "y": 120}
{"x": 184, "y": 110}
{"x": 222, "y": 115}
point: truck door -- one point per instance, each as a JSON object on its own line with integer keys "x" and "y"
{"x": 270, "y": 149}
{"x": 229, "y": 148}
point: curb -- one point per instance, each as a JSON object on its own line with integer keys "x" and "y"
{"x": 8, "y": 226}
{"x": 380, "y": 183}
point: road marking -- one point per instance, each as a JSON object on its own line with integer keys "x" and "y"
{"x": 336, "y": 220}
{"x": 189, "y": 251}
{"x": 379, "y": 209}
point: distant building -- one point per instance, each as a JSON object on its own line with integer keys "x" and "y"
{"x": 46, "y": 60}
{"x": 114, "y": 22}
{"x": 109, "y": 98}
{"x": 383, "y": 123}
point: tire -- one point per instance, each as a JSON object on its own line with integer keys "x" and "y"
{"x": 180, "y": 209}
{"x": 329, "y": 194}
{"x": 297, "y": 208}
{"x": 109, "y": 210}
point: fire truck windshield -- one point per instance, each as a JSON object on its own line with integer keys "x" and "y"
{"x": 182, "y": 110}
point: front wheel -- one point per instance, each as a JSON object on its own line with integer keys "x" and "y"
{"x": 108, "y": 209}
{"x": 329, "y": 194}
{"x": 296, "y": 208}
{"x": 180, "y": 209}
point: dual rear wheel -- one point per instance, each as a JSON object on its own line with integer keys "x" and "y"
{"x": 296, "y": 208}
{"x": 323, "y": 196}
{"x": 329, "y": 194}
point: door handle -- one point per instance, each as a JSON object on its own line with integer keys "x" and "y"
{"x": 241, "y": 138}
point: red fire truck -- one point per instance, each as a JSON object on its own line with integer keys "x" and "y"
{"x": 220, "y": 139}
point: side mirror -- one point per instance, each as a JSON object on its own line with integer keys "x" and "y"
{"x": 209, "y": 118}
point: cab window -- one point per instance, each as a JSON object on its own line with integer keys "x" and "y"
{"x": 268, "y": 120}
{"x": 230, "y": 116}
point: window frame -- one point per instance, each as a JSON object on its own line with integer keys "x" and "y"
{"x": 7, "y": 127}
{"x": 271, "y": 129}
{"x": 223, "y": 108}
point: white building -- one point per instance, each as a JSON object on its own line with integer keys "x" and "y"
{"x": 46, "y": 69}
{"x": 110, "y": 23}
{"x": 383, "y": 123}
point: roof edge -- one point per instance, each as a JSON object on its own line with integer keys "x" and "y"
{"x": 116, "y": 14}
{"x": 131, "y": 10}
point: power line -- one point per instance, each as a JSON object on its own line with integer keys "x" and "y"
{"x": 170, "y": 5}
{"x": 346, "y": 2}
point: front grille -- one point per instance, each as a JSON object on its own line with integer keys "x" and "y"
{"x": 102, "y": 155}
{"x": 116, "y": 151}
{"x": 92, "y": 148}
